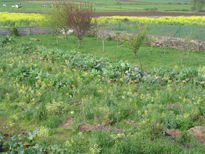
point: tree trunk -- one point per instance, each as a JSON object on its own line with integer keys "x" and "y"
{"x": 140, "y": 63}
{"x": 66, "y": 35}
{"x": 182, "y": 57}
{"x": 135, "y": 54}
{"x": 79, "y": 43}
{"x": 56, "y": 38}
{"x": 198, "y": 47}
{"x": 65, "y": 30}
{"x": 40, "y": 36}
{"x": 164, "y": 49}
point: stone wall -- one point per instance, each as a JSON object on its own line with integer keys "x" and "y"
{"x": 177, "y": 43}
{"x": 168, "y": 42}
{"x": 25, "y": 30}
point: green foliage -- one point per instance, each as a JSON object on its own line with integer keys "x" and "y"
{"x": 1, "y": 139}
{"x": 151, "y": 9}
{"x": 197, "y": 5}
{"x": 7, "y": 40}
{"x": 136, "y": 40}
{"x": 184, "y": 137}
{"x": 29, "y": 144}
{"x": 14, "y": 31}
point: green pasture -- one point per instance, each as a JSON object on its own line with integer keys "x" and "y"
{"x": 52, "y": 91}
{"x": 116, "y": 51}
{"x": 101, "y": 6}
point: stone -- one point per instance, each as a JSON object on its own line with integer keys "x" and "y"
{"x": 34, "y": 39}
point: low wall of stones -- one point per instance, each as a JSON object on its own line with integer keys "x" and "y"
{"x": 26, "y": 30}
{"x": 163, "y": 41}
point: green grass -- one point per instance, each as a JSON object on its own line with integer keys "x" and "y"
{"x": 100, "y": 6}
{"x": 38, "y": 85}
{"x": 150, "y": 59}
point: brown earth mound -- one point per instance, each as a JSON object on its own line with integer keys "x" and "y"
{"x": 83, "y": 127}
{"x": 67, "y": 123}
{"x": 86, "y": 127}
{"x": 173, "y": 133}
{"x": 198, "y": 132}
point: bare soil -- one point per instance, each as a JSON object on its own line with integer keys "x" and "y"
{"x": 86, "y": 127}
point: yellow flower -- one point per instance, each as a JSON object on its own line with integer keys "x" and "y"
{"x": 43, "y": 132}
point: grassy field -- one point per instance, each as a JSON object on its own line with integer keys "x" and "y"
{"x": 106, "y": 5}
{"x": 73, "y": 102}
{"x": 150, "y": 59}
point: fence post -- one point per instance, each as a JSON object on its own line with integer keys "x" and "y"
{"x": 178, "y": 31}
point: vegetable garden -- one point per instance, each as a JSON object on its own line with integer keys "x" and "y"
{"x": 61, "y": 98}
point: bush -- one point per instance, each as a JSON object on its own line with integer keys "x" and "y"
{"x": 109, "y": 38}
{"x": 151, "y": 9}
{"x": 14, "y": 31}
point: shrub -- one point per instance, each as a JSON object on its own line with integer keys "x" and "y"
{"x": 14, "y": 31}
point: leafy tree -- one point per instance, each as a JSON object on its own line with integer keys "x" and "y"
{"x": 53, "y": 19}
{"x": 76, "y": 16}
{"x": 135, "y": 41}
{"x": 197, "y": 4}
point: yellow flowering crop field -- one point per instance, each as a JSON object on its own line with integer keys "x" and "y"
{"x": 30, "y": 19}
{"x": 181, "y": 20}
{"x": 19, "y": 19}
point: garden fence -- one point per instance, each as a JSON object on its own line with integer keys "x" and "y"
{"x": 196, "y": 32}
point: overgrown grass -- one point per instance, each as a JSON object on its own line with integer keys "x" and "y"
{"x": 41, "y": 87}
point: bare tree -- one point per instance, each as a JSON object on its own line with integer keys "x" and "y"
{"x": 53, "y": 19}
{"x": 103, "y": 32}
{"x": 40, "y": 28}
